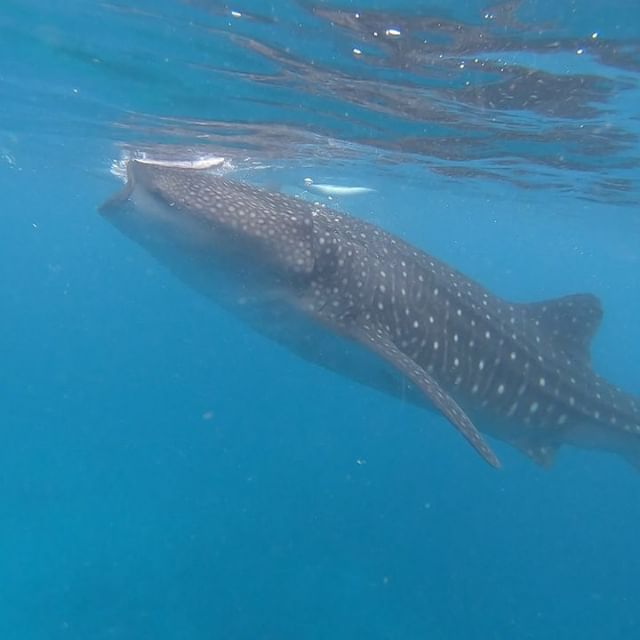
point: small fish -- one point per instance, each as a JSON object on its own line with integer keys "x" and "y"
{"x": 334, "y": 189}
{"x": 346, "y": 294}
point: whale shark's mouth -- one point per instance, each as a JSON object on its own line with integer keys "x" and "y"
{"x": 117, "y": 200}
{"x": 142, "y": 212}
{"x": 137, "y": 181}
{"x": 124, "y": 168}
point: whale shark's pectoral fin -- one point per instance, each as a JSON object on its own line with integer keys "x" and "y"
{"x": 378, "y": 342}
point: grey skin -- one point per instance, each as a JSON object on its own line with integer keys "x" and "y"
{"x": 355, "y": 299}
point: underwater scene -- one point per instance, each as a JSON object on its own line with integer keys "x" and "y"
{"x": 320, "y": 320}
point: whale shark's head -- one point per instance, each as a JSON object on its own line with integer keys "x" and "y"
{"x": 176, "y": 210}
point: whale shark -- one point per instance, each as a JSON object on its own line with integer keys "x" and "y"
{"x": 355, "y": 299}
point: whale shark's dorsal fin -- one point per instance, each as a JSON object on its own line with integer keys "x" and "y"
{"x": 569, "y": 322}
{"x": 380, "y": 343}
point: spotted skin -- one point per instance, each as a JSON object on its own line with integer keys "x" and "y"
{"x": 521, "y": 372}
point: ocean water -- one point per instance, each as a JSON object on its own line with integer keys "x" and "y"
{"x": 166, "y": 474}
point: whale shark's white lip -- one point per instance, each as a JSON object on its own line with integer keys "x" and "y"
{"x": 200, "y": 162}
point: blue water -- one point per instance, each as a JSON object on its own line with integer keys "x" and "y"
{"x": 167, "y": 474}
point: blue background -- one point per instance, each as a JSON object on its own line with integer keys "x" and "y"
{"x": 166, "y": 474}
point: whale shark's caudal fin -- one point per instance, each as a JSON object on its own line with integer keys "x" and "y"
{"x": 631, "y": 452}
{"x": 569, "y": 323}
{"x": 607, "y": 418}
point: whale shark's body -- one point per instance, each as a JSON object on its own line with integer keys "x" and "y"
{"x": 355, "y": 299}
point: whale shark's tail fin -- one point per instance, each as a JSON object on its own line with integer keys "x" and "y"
{"x": 631, "y": 453}
{"x": 605, "y": 417}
